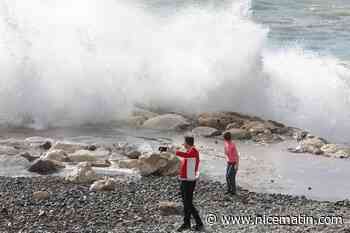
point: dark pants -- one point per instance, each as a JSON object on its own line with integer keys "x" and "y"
{"x": 187, "y": 188}
{"x": 231, "y": 177}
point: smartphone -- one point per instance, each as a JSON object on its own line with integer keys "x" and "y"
{"x": 163, "y": 148}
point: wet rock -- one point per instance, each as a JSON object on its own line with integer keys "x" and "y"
{"x": 206, "y": 131}
{"x": 82, "y": 156}
{"x": 107, "y": 184}
{"x": 167, "y": 122}
{"x": 41, "y": 195}
{"x": 168, "y": 208}
{"x": 8, "y": 150}
{"x": 69, "y": 147}
{"x": 311, "y": 145}
{"x": 45, "y": 167}
{"x": 57, "y": 155}
{"x": 83, "y": 173}
{"x": 28, "y": 156}
{"x": 239, "y": 134}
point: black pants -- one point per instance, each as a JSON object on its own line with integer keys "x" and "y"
{"x": 231, "y": 177}
{"x": 187, "y": 188}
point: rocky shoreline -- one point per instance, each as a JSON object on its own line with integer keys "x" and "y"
{"x": 134, "y": 206}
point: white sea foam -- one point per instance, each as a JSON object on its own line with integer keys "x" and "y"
{"x": 84, "y": 61}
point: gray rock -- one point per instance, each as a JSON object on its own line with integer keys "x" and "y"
{"x": 45, "y": 167}
{"x": 57, "y": 155}
{"x": 168, "y": 208}
{"x": 206, "y": 131}
{"x": 167, "y": 122}
{"x": 41, "y": 195}
{"x": 106, "y": 184}
{"x": 239, "y": 134}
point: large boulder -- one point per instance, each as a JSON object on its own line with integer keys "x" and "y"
{"x": 311, "y": 145}
{"x": 167, "y": 122}
{"x": 131, "y": 151}
{"x": 172, "y": 164}
{"x": 45, "y": 167}
{"x": 83, "y": 173}
{"x": 69, "y": 147}
{"x": 106, "y": 184}
{"x": 206, "y": 131}
{"x": 150, "y": 163}
{"x": 239, "y": 134}
{"x": 82, "y": 156}
{"x": 220, "y": 120}
{"x": 57, "y": 155}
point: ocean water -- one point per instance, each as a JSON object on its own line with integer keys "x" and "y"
{"x": 67, "y": 63}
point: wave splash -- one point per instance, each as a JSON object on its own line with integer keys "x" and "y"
{"x": 68, "y": 63}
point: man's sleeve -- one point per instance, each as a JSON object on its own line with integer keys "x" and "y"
{"x": 182, "y": 154}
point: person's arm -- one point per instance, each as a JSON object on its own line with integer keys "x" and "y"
{"x": 181, "y": 154}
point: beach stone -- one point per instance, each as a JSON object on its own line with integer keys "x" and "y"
{"x": 107, "y": 184}
{"x": 239, "y": 134}
{"x": 131, "y": 151}
{"x": 330, "y": 148}
{"x": 313, "y": 142}
{"x": 167, "y": 122}
{"x": 44, "y": 167}
{"x": 129, "y": 163}
{"x": 172, "y": 166}
{"x": 8, "y": 150}
{"x": 168, "y": 208}
{"x": 83, "y": 173}
{"x": 57, "y": 155}
{"x": 206, "y": 131}
{"x": 150, "y": 163}
{"x": 69, "y": 147}
{"x": 82, "y": 156}
{"x": 41, "y": 195}
{"x": 342, "y": 153}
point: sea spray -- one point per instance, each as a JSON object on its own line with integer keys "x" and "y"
{"x": 75, "y": 62}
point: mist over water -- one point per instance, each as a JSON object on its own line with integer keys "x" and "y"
{"x": 86, "y": 61}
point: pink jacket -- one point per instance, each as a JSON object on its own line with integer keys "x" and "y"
{"x": 231, "y": 152}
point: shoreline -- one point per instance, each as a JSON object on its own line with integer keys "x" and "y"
{"x": 133, "y": 207}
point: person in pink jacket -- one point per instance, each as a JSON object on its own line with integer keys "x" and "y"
{"x": 232, "y": 163}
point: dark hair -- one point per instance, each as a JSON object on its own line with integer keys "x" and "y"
{"x": 227, "y": 136}
{"x": 189, "y": 140}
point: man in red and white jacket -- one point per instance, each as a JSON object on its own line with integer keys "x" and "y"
{"x": 188, "y": 174}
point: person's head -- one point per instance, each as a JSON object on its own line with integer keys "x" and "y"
{"x": 189, "y": 142}
{"x": 227, "y": 136}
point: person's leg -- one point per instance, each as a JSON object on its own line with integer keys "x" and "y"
{"x": 187, "y": 207}
{"x": 228, "y": 178}
{"x": 194, "y": 211}
{"x": 232, "y": 178}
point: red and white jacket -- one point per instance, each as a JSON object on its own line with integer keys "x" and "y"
{"x": 189, "y": 168}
